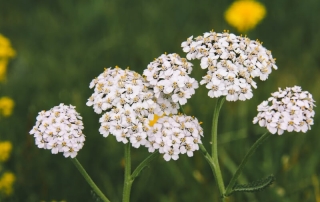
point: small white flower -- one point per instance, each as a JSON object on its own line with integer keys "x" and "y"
{"x": 138, "y": 139}
{"x": 171, "y": 153}
{"x": 245, "y": 91}
{"x": 59, "y": 130}
{"x": 232, "y": 92}
{"x": 187, "y": 43}
{"x": 181, "y": 97}
{"x": 291, "y": 110}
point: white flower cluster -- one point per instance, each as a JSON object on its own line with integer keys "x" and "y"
{"x": 128, "y": 104}
{"x": 291, "y": 110}
{"x": 60, "y": 130}
{"x": 178, "y": 134}
{"x": 169, "y": 76}
{"x": 232, "y": 62}
{"x": 116, "y": 87}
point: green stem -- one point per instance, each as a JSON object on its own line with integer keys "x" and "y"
{"x": 128, "y": 177}
{"x": 208, "y": 158}
{"x": 210, "y": 162}
{"x": 127, "y": 174}
{"x": 89, "y": 180}
{"x": 244, "y": 161}
{"x": 143, "y": 164}
{"x": 214, "y": 142}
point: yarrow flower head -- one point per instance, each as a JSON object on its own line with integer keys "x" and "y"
{"x": 169, "y": 76}
{"x": 118, "y": 87}
{"x": 175, "y": 135}
{"x": 245, "y": 14}
{"x": 291, "y": 110}
{"x": 232, "y": 62}
{"x": 59, "y": 130}
{"x": 128, "y": 105}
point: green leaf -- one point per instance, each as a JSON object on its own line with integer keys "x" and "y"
{"x": 254, "y": 186}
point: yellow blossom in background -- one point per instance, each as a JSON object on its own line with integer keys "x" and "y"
{"x": 5, "y": 150}
{"x": 6, "y": 53}
{"x": 245, "y": 14}
{"x": 6, "y": 183}
{"x": 3, "y": 68}
{"x": 6, "y": 106}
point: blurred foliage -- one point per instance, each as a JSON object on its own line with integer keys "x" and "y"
{"x": 63, "y": 45}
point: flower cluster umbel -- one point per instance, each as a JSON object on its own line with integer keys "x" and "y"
{"x": 129, "y": 102}
{"x": 174, "y": 135}
{"x": 169, "y": 76}
{"x": 291, "y": 110}
{"x": 59, "y": 130}
{"x": 232, "y": 62}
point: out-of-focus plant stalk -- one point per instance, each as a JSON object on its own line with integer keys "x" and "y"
{"x": 89, "y": 180}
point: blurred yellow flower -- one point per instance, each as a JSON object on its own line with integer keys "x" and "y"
{"x": 6, "y": 106}
{"x": 3, "y": 68}
{"x": 245, "y": 14}
{"x": 5, "y": 150}
{"x": 5, "y": 48}
{"x": 6, "y": 183}
{"x": 6, "y": 52}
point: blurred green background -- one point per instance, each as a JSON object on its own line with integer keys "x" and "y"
{"x": 62, "y": 45}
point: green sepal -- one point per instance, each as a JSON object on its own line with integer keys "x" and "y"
{"x": 254, "y": 186}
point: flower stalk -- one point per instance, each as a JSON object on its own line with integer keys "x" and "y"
{"x": 143, "y": 164}
{"x": 94, "y": 187}
{"x": 127, "y": 174}
{"x": 128, "y": 177}
{"x": 214, "y": 148}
